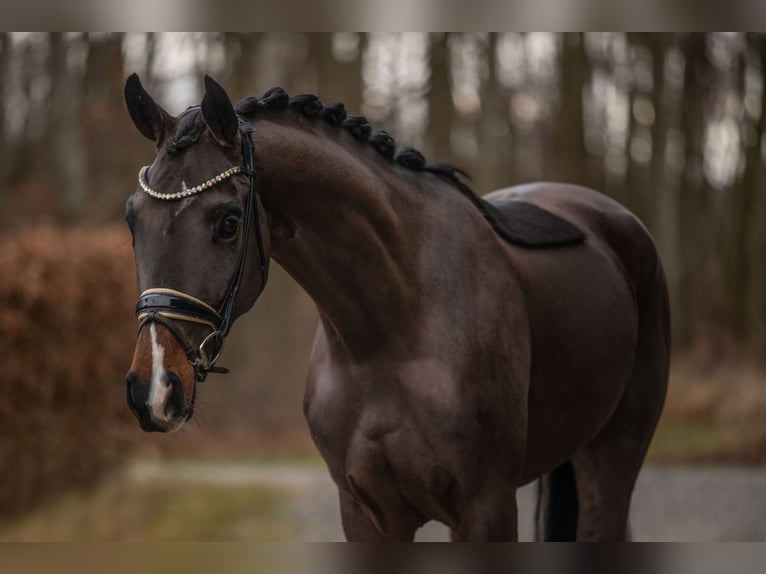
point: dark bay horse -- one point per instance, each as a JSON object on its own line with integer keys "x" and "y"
{"x": 466, "y": 345}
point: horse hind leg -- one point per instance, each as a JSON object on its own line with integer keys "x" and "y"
{"x": 605, "y": 472}
{"x": 607, "y": 468}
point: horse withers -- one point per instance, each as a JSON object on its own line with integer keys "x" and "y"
{"x": 466, "y": 345}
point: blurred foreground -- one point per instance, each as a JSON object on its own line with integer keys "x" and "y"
{"x": 278, "y": 501}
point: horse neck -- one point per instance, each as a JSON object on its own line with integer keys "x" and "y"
{"x": 338, "y": 227}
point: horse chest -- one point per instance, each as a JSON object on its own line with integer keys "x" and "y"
{"x": 395, "y": 438}
{"x": 377, "y": 404}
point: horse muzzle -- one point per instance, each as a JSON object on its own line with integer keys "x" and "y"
{"x": 160, "y": 385}
{"x": 159, "y": 406}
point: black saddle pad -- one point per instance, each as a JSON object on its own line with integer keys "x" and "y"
{"x": 516, "y": 221}
{"x": 529, "y": 226}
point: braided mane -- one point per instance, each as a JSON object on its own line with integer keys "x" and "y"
{"x": 191, "y": 126}
{"x": 310, "y": 106}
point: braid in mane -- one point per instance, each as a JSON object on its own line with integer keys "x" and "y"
{"x": 333, "y": 113}
{"x": 411, "y": 159}
{"x": 190, "y": 128}
{"x": 308, "y": 105}
{"x": 246, "y": 107}
{"x": 383, "y": 143}
{"x": 358, "y": 126}
{"x": 274, "y": 99}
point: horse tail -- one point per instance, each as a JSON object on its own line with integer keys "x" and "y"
{"x": 556, "y": 513}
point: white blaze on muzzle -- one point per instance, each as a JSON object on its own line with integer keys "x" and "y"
{"x": 159, "y": 387}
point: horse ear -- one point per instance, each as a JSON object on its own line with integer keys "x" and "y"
{"x": 150, "y": 119}
{"x": 218, "y": 112}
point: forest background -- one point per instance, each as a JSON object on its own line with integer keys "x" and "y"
{"x": 671, "y": 125}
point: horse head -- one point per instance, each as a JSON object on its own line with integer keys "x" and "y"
{"x": 196, "y": 224}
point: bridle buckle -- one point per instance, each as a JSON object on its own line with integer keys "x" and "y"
{"x": 205, "y": 360}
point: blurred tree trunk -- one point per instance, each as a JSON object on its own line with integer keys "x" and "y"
{"x": 338, "y": 80}
{"x": 739, "y": 269}
{"x": 570, "y": 156}
{"x": 28, "y": 69}
{"x": 105, "y": 121}
{"x": 321, "y": 59}
{"x": 63, "y": 127}
{"x": 441, "y": 113}
{"x": 662, "y": 200}
{"x": 634, "y": 182}
{"x": 662, "y": 194}
{"x": 757, "y": 242}
{"x": 494, "y": 128}
{"x": 5, "y": 152}
{"x": 640, "y": 185}
{"x": 520, "y": 136}
{"x": 151, "y": 56}
{"x": 242, "y": 62}
{"x": 692, "y": 224}
{"x": 104, "y": 74}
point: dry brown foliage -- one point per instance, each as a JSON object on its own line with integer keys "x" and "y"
{"x": 724, "y": 399}
{"x": 66, "y": 338}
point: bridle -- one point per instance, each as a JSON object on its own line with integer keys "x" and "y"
{"x": 167, "y": 306}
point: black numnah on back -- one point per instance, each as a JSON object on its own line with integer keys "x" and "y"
{"x": 530, "y": 226}
{"x": 518, "y": 222}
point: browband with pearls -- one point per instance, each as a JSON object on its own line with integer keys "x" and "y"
{"x": 185, "y": 191}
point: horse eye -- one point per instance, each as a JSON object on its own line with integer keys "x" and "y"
{"x": 227, "y": 227}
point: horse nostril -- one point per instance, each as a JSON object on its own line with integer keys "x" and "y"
{"x": 175, "y": 402}
{"x": 133, "y": 389}
{"x": 131, "y": 378}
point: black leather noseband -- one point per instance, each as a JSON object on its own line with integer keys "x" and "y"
{"x": 167, "y": 306}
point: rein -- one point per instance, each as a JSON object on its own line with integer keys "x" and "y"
{"x": 167, "y": 306}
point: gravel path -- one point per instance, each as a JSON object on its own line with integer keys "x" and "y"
{"x": 669, "y": 504}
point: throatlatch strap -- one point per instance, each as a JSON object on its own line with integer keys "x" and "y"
{"x": 226, "y": 311}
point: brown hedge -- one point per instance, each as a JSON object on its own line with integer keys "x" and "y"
{"x": 66, "y": 340}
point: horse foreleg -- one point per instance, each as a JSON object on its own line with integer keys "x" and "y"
{"x": 358, "y": 526}
{"x": 490, "y": 517}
